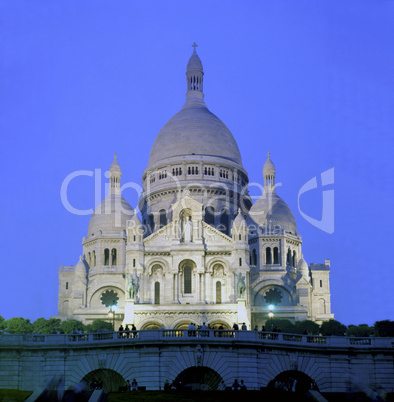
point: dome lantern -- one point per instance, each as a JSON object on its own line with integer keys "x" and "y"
{"x": 114, "y": 176}
{"x": 269, "y": 174}
{"x": 194, "y": 75}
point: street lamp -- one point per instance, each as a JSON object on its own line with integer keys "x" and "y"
{"x": 271, "y": 314}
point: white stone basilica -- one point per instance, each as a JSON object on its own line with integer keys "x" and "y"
{"x": 202, "y": 252}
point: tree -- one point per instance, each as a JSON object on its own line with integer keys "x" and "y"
{"x": 69, "y": 325}
{"x": 279, "y": 323}
{"x": 2, "y": 323}
{"x": 332, "y": 327}
{"x": 18, "y": 325}
{"x": 45, "y": 326}
{"x": 384, "y": 328}
{"x": 362, "y": 330}
{"x": 97, "y": 325}
{"x": 307, "y": 326}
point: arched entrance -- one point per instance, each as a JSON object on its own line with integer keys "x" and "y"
{"x": 287, "y": 380}
{"x": 109, "y": 380}
{"x": 199, "y": 378}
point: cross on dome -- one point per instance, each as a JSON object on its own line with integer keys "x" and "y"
{"x": 194, "y": 45}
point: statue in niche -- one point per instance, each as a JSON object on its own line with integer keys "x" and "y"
{"x": 241, "y": 287}
{"x": 131, "y": 287}
{"x": 187, "y": 230}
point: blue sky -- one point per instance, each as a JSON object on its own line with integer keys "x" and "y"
{"x": 310, "y": 81}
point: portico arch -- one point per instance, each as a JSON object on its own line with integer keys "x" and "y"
{"x": 199, "y": 378}
{"x": 290, "y": 379}
{"x": 156, "y": 324}
{"x": 111, "y": 380}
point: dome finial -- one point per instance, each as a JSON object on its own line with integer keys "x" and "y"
{"x": 115, "y": 156}
{"x": 194, "y": 45}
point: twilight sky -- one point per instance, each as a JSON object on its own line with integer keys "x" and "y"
{"x": 310, "y": 81}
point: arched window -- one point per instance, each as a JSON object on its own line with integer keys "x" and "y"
{"x": 268, "y": 255}
{"x": 218, "y": 292}
{"x": 210, "y": 216}
{"x": 254, "y": 257}
{"x": 89, "y": 259}
{"x": 163, "y": 218}
{"x": 113, "y": 257}
{"x": 288, "y": 261}
{"x": 223, "y": 227}
{"x": 106, "y": 256}
{"x": 276, "y": 255}
{"x": 151, "y": 223}
{"x": 94, "y": 258}
{"x": 294, "y": 259}
{"x": 157, "y": 292}
{"x": 187, "y": 279}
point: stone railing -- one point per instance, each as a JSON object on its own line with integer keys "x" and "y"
{"x": 215, "y": 335}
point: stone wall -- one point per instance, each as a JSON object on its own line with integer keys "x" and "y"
{"x": 336, "y": 364}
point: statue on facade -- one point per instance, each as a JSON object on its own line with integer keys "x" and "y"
{"x": 131, "y": 287}
{"x": 241, "y": 287}
{"x": 187, "y": 231}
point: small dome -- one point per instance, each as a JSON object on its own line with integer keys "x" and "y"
{"x": 111, "y": 215}
{"x": 115, "y": 165}
{"x": 239, "y": 221}
{"x": 271, "y": 209}
{"x": 81, "y": 267}
{"x": 135, "y": 222}
{"x": 302, "y": 265}
{"x": 268, "y": 165}
{"x": 136, "y": 219}
{"x": 194, "y": 62}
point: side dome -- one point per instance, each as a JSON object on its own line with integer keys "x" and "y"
{"x": 194, "y": 132}
{"x": 271, "y": 209}
{"x": 111, "y": 214}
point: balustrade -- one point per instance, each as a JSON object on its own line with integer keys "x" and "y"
{"x": 184, "y": 335}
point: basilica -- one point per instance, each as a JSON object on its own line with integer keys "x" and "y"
{"x": 198, "y": 250}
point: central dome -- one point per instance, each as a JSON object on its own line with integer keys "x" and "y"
{"x": 194, "y": 130}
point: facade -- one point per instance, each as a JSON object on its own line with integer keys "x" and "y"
{"x": 201, "y": 252}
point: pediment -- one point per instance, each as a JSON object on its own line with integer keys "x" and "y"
{"x": 215, "y": 237}
{"x": 161, "y": 237}
{"x": 187, "y": 203}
